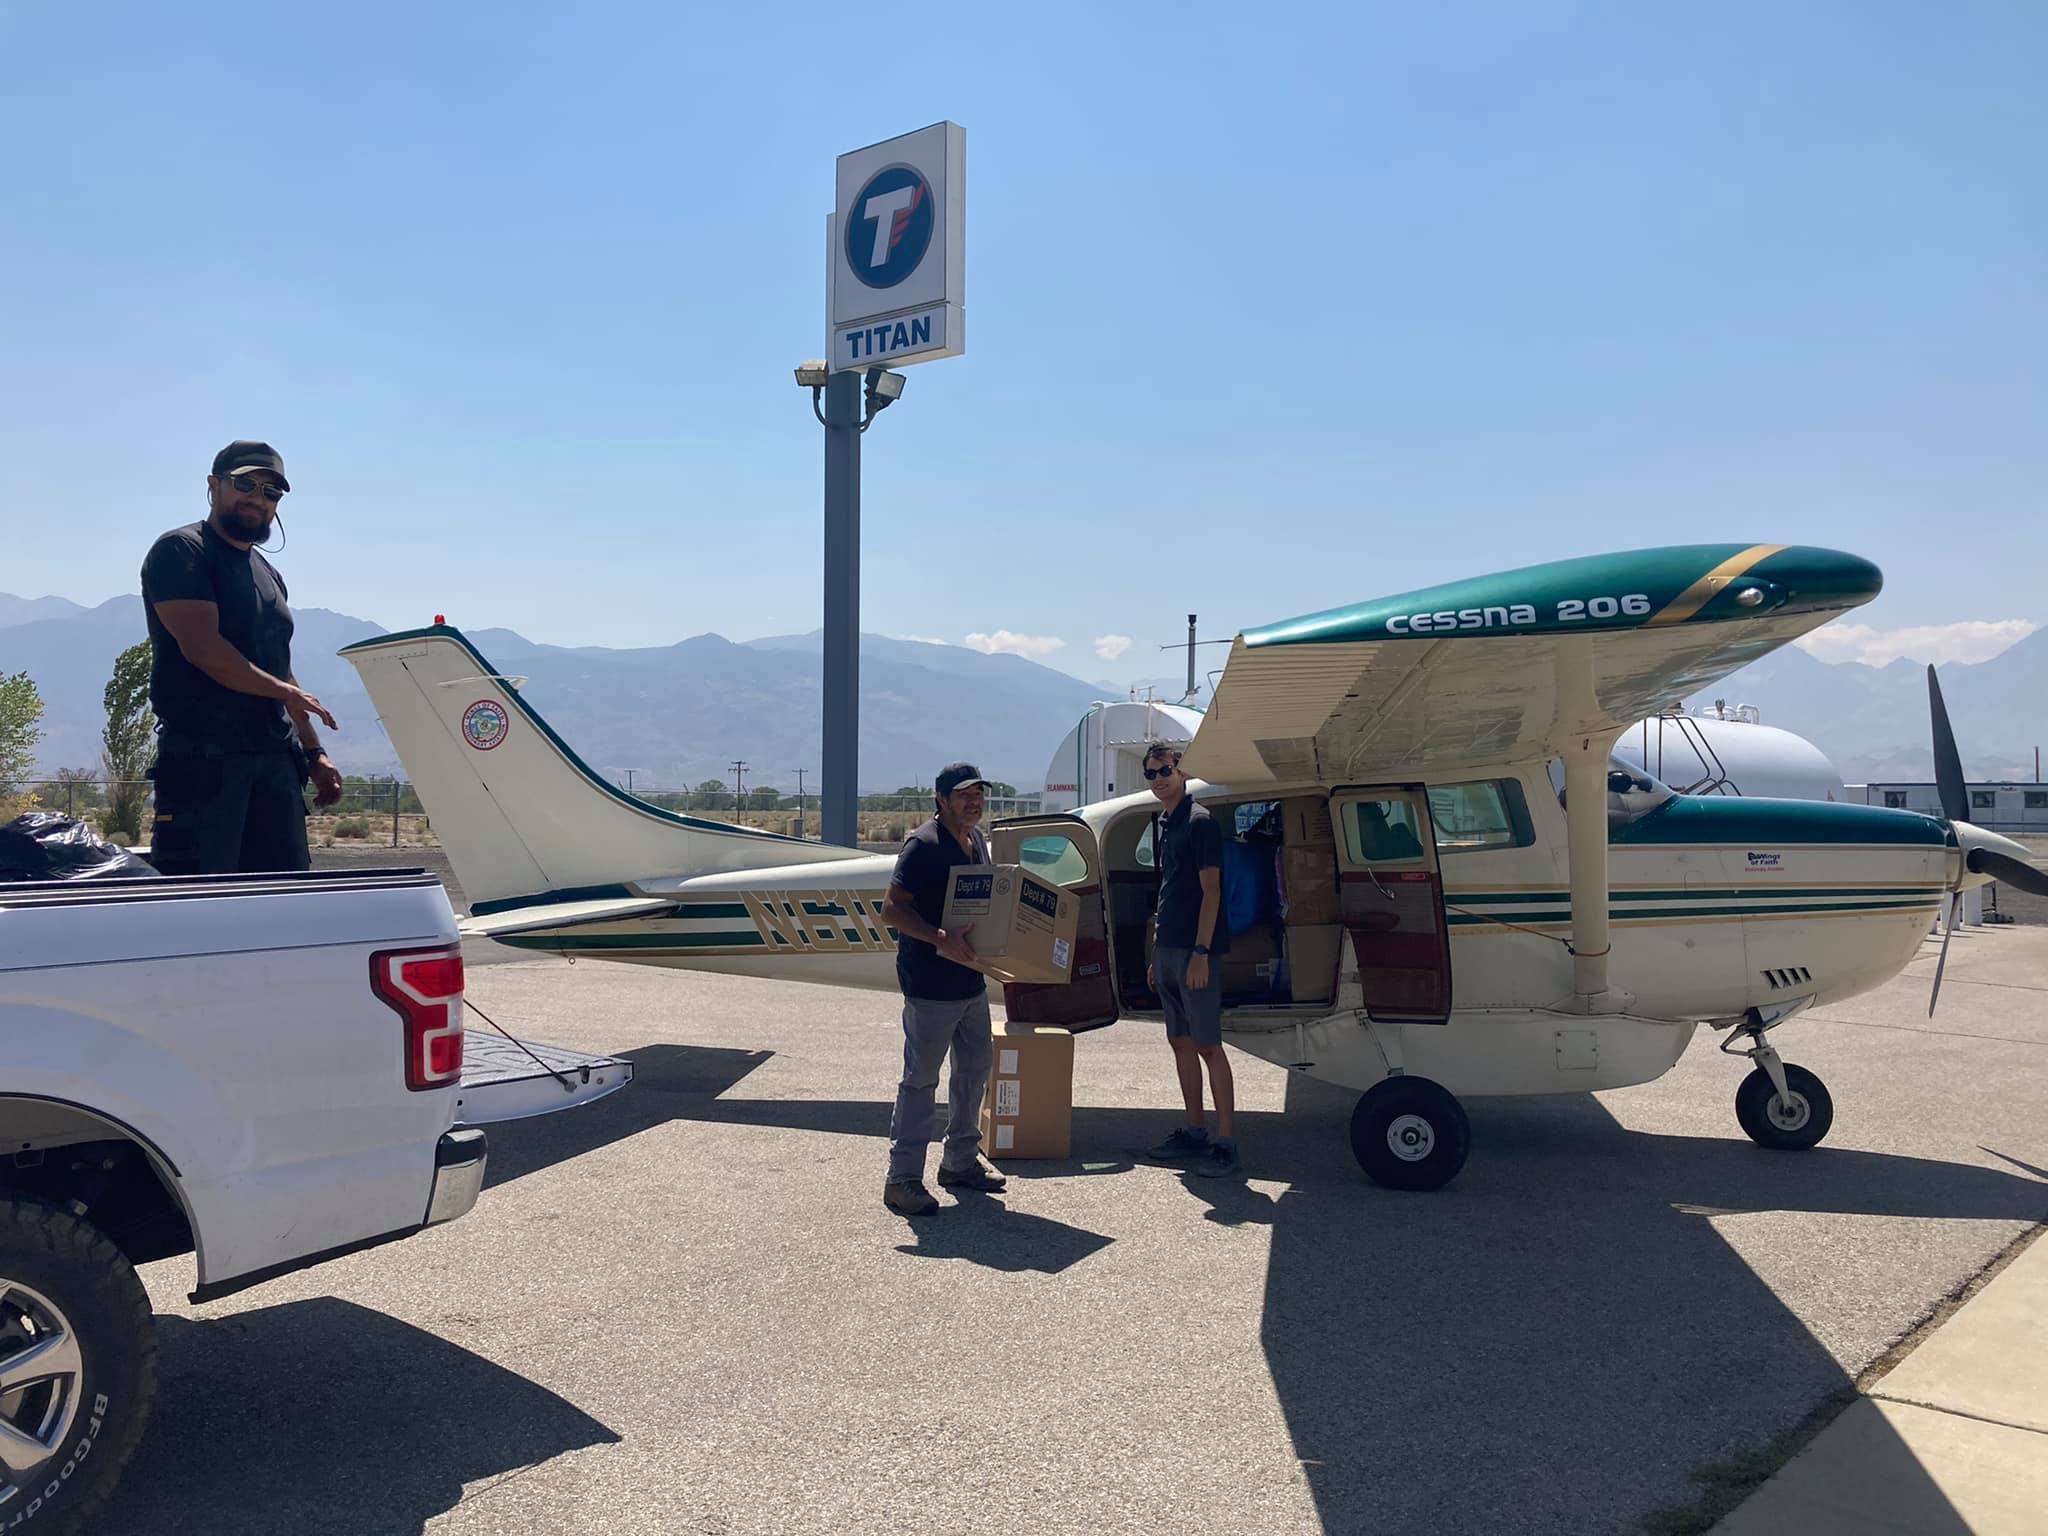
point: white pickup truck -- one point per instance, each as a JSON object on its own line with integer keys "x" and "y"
{"x": 267, "y": 1070}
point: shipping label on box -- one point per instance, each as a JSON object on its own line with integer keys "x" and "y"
{"x": 1023, "y": 926}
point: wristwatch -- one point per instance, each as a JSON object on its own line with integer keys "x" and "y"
{"x": 1201, "y": 949}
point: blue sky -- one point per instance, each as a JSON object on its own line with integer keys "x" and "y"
{"x": 1268, "y": 309}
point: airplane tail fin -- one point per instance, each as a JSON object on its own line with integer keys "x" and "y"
{"x": 518, "y": 813}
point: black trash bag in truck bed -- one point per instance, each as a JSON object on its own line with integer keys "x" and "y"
{"x": 45, "y": 846}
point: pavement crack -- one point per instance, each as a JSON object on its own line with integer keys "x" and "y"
{"x": 1957, "y": 1413}
{"x": 1920, "y": 1029}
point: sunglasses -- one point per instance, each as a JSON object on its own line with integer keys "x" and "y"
{"x": 1162, "y": 773}
{"x": 247, "y": 483}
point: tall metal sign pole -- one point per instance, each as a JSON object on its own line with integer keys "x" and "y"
{"x": 839, "y": 801}
{"x": 895, "y": 295}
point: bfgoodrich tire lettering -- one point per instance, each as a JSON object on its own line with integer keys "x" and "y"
{"x": 77, "y": 1368}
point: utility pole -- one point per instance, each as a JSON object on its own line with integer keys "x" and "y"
{"x": 800, "y": 802}
{"x": 739, "y": 800}
{"x": 1191, "y": 659}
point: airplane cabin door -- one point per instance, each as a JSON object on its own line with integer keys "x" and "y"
{"x": 1392, "y": 897}
{"x": 1063, "y": 850}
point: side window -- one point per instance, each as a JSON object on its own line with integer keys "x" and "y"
{"x": 1053, "y": 856}
{"x": 1144, "y": 850}
{"x": 1380, "y": 832}
{"x": 1983, "y": 799}
{"x": 1895, "y": 799}
{"x": 1489, "y": 814}
{"x": 2037, "y": 799}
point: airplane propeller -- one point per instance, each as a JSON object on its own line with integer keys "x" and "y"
{"x": 1955, "y": 807}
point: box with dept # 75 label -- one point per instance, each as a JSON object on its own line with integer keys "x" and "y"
{"x": 1023, "y": 926}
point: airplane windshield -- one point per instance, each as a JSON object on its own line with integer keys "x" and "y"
{"x": 1633, "y": 792}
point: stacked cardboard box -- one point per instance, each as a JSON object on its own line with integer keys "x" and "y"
{"x": 1029, "y": 1110}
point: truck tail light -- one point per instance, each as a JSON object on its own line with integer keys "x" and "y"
{"x": 424, "y": 988}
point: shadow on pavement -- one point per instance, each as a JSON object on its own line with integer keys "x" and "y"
{"x": 321, "y": 1416}
{"x": 984, "y": 1231}
{"x": 1555, "y": 1342}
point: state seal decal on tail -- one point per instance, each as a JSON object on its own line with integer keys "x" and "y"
{"x": 484, "y": 724}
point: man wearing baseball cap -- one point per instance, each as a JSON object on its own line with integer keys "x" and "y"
{"x": 235, "y": 737}
{"x": 945, "y": 1001}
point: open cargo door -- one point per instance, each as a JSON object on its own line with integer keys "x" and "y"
{"x": 1392, "y": 898}
{"x": 1062, "y": 850}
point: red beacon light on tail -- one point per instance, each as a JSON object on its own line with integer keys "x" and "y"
{"x": 440, "y": 618}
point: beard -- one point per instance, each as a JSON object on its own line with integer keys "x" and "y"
{"x": 249, "y": 524}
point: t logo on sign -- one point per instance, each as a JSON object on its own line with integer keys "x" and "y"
{"x": 890, "y": 228}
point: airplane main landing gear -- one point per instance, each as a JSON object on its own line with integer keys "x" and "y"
{"x": 1410, "y": 1133}
{"x": 1779, "y": 1105}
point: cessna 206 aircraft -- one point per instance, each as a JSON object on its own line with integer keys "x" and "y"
{"x": 1439, "y": 882}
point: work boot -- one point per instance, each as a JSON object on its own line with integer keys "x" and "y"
{"x": 1186, "y": 1142}
{"x": 909, "y": 1197}
{"x": 979, "y": 1174}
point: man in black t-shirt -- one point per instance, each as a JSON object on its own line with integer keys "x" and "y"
{"x": 235, "y": 736}
{"x": 945, "y": 1002}
{"x": 1188, "y": 936}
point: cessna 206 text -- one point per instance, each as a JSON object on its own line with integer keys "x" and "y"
{"x": 1442, "y": 883}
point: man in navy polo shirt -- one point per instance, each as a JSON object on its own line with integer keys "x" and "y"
{"x": 945, "y": 1001}
{"x": 1188, "y": 934}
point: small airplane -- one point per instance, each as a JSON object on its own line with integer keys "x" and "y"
{"x": 1440, "y": 881}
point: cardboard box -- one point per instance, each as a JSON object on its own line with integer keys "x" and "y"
{"x": 1023, "y": 926}
{"x": 1029, "y": 1110}
{"x": 1312, "y": 962}
{"x": 1308, "y": 864}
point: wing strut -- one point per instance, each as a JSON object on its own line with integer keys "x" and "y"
{"x": 1585, "y": 802}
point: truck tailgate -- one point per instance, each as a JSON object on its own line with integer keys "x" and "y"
{"x": 505, "y": 1079}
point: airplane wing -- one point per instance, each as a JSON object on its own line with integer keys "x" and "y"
{"x": 1502, "y": 669}
{"x": 558, "y": 914}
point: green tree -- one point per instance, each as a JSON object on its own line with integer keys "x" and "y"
{"x": 75, "y": 791}
{"x": 128, "y": 742}
{"x": 21, "y": 707}
{"x": 714, "y": 795}
{"x": 762, "y": 798}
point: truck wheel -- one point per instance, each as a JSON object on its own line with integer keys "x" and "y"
{"x": 77, "y": 1367}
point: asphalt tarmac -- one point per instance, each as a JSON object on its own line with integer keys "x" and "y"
{"x": 685, "y": 1309}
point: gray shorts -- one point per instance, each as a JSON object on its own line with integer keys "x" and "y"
{"x": 1198, "y": 1015}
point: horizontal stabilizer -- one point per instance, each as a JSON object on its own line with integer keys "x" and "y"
{"x": 559, "y": 914}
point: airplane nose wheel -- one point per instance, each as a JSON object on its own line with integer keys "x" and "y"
{"x": 1791, "y": 1120}
{"x": 1410, "y": 1133}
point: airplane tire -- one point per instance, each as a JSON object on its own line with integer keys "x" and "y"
{"x": 1769, "y": 1123}
{"x": 1410, "y": 1133}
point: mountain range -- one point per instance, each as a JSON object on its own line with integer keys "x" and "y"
{"x": 674, "y": 715}
{"x": 678, "y": 714}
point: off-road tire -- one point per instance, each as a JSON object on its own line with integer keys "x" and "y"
{"x": 87, "y": 1280}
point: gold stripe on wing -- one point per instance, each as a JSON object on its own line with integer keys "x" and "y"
{"x": 1701, "y": 592}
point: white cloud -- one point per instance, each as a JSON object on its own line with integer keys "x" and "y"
{"x": 1006, "y": 642}
{"x": 1109, "y": 647}
{"x": 924, "y": 639}
{"x": 1969, "y": 640}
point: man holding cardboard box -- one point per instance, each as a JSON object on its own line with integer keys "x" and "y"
{"x": 1187, "y": 849}
{"x": 945, "y": 1001}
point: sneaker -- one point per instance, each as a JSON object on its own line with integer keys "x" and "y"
{"x": 1219, "y": 1160}
{"x": 1183, "y": 1143}
{"x": 909, "y": 1197}
{"x": 979, "y": 1175}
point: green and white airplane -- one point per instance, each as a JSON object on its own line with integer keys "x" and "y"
{"x": 1444, "y": 884}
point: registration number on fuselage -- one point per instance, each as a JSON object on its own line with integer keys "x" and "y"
{"x": 1570, "y": 610}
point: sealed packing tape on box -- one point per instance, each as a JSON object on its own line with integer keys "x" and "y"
{"x": 1029, "y": 1108}
{"x": 1023, "y": 926}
